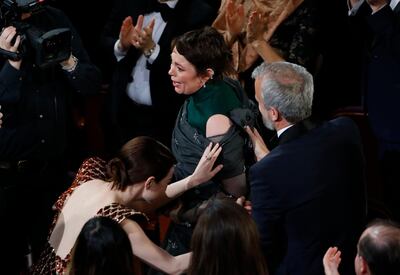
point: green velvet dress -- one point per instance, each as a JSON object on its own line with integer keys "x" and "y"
{"x": 189, "y": 142}
{"x": 215, "y": 98}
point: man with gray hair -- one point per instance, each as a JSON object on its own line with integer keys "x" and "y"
{"x": 308, "y": 192}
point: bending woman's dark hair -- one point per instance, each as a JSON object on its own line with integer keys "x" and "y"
{"x": 139, "y": 159}
{"x": 102, "y": 248}
{"x": 206, "y": 48}
{"x": 226, "y": 241}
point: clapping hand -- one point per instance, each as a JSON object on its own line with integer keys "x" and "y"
{"x": 256, "y": 27}
{"x": 235, "y": 19}
{"x": 331, "y": 261}
{"x": 138, "y": 36}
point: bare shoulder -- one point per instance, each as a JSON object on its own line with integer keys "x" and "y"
{"x": 130, "y": 226}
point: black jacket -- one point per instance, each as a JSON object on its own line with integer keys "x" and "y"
{"x": 38, "y": 97}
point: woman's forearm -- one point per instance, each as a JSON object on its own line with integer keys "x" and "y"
{"x": 175, "y": 189}
{"x": 267, "y": 53}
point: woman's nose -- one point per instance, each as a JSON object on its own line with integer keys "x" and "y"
{"x": 170, "y": 71}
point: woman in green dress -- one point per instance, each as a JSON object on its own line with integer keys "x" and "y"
{"x": 216, "y": 110}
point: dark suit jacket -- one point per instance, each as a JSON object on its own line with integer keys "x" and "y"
{"x": 308, "y": 194}
{"x": 189, "y": 14}
{"x": 381, "y": 32}
{"x": 383, "y": 82}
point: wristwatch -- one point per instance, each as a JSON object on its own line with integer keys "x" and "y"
{"x": 149, "y": 52}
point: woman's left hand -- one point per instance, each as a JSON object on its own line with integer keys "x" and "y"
{"x": 204, "y": 170}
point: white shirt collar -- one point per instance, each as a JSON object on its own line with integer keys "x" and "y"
{"x": 280, "y": 132}
{"x": 171, "y": 3}
{"x": 394, "y": 3}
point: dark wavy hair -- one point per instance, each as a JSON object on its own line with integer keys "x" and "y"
{"x": 139, "y": 159}
{"x": 226, "y": 241}
{"x": 205, "y": 48}
{"x": 102, "y": 248}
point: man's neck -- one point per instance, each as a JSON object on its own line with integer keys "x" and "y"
{"x": 282, "y": 123}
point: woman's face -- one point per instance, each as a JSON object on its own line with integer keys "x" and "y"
{"x": 184, "y": 76}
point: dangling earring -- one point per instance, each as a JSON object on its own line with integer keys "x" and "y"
{"x": 211, "y": 74}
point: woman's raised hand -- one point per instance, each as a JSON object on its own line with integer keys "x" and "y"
{"x": 235, "y": 18}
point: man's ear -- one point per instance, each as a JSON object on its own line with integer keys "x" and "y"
{"x": 149, "y": 182}
{"x": 274, "y": 113}
{"x": 364, "y": 269}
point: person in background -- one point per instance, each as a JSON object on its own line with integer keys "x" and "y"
{"x": 101, "y": 248}
{"x": 379, "y": 22}
{"x": 139, "y": 175}
{"x": 226, "y": 241}
{"x": 37, "y": 87}
{"x": 295, "y": 188}
{"x": 378, "y": 251}
{"x": 137, "y": 36}
{"x": 268, "y": 31}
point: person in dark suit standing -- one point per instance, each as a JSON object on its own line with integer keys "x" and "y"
{"x": 143, "y": 101}
{"x": 308, "y": 191}
{"x": 381, "y": 21}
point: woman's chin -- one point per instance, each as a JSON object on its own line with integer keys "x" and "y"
{"x": 178, "y": 91}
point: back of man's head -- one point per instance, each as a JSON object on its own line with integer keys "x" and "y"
{"x": 287, "y": 87}
{"x": 379, "y": 246}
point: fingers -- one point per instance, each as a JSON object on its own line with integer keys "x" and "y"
{"x": 240, "y": 10}
{"x": 332, "y": 255}
{"x": 257, "y": 134}
{"x": 250, "y": 132}
{"x": 247, "y": 206}
{"x": 216, "y": 170}
{"x": 207, "y": 150}
{"x": 211, "y": 150}
{"x": 210, "y": 155}
{"x": 149, "y": 28}
{"x": 241, "y": 200}
{"x": 253, "y": 133}
{"x": 330, "y": 252}
{"x": 126, "y": 24}
{"x": 230, "y": 5}
{"x": 16, "y": 43}
{"x": 139, "y": 23}
{"x": 7, "y": 36}
{"x": 215, "y": 150}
